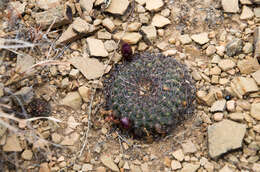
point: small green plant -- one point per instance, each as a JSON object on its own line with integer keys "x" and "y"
{"x": 150, "y": 95}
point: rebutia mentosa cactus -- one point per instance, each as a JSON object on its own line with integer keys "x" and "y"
{"x": 150, "y": 95}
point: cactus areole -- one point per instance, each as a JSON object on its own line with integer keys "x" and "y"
{"x": 150, "y": 95}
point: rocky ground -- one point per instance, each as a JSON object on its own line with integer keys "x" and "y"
{"x": 58, "y": 51}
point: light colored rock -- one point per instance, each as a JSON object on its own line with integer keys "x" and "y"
{"x": 160, "y": 21}
{"x": 27, "y": 154}
{"x": 220, "y": 50}
{"x": 108, "y": 24}
{"x": 189, "y": 167}
{"x": 178, "y": 154}
{"x": 230, "y": 6}
{"x": 255, "y": 110}
{"x": 96, "y": 48}
{"x": 231, "y": 106}
{"x": 126, "y": 166}
{"x": 225, "y": 169}
{"x": 56, "y": 138}
{"x": 189, "y": 147}
{"x": 44, "y": 167}
{"x": 196, "y": 75}
{"x": 246, "y": 2}
{"x": 24, "y": 62}
{"x": 257, "y": 12}
{"x": 87, "y": 167}
{"x": 206, "y": 98}
{"x": 226, "y": 64}
{"x": 80, "y": 26}
{"x": 141, "y": 2}
{"x": 175, "y": 165}
{"x": 248, "y": 48}
{"x": 118, "y": 6}
{"x": 131, "y": 37}
{"x": 201, "y": 38}
{"x": 256, "y": 166}
{"x": 47, "y": 4}
{"x": 135, "y": 168}
{"x": 242, "y": 86}
{"x": 145, "y": 168}
{"x": 2, "y": 130}
{"x": 71, "y": 139}
{"x": 91, "y": 68}
{"x": 210, "y": 50}
{"x": 218, "y": 116}
{"x": 103, "y": 34}
{"x": 234, "y": 47}
{"x": 154, "y": 5}
{"x": 170, "y": 52}
{"x": 218, "y": 106}
{"x": 110, "y": 45}
{"x": 257, "y": 42}
{"x": 248, "y": 66}
{"x": 108, "y": 162}
{"x": 73, "y": 100}
{"x": 85, "y": 93}
{"x": 18, "y": 6}
{"x": 149, "y": 32}
{"x": 225, "y": 136}
{"x": 237, "y": 116}
{"x": 256, "y": 76}
{"x": 257, "y": 128}
{"x": 215, "y": 71}
{"x": 185, "y": 39}
{"x": 247, "y": 13}
{"x": 12, "y": 144}
{"x": 86, "y": 5}
{"x": 135, "y": 26}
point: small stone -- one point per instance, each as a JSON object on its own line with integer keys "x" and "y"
{"x": 18, "y": 6}
{"x": 108, "y": 162}
{"x": 178, "y": 154}
{"x": 226, "y": 64}
{"x": 47, "y": 4}
{"x": 175, "y": 165}
{"x": 110, "y": 45}
{"x": 257, "y": 42}
{"x": 170, "y": 52}
{"x": 154, "y": 5}
{"x": 201, "y": 38}
{"x": 225, "y": 169}
{"x": 86, "y": 5}
{"x": 231, "y": 105}
{"x": 248, "y": 48}
{"x": 257, "y": 12}
{"x": 126, "y": 166}
{"x": 247, "y": 13}
{"x": 101, "y": 169}
{"x": 255, "y": 110}
{"x": 248, "y": 66}
{"x": 167, "y": 161}
{"x": 185, "y": 39}
{"x": 215, "y": 71}
{"x": 256, "y": 76}
{"x": 242, "y": 86}
{"x": 73, "y": 100}
{"x": 44, "y": 167}
{"x": 135, "y": 26}
{"x": 103, "y": 34}
{"x": 218, "y": 106}
{"x": 118, "y": 7}
{"x": 74, "y": 73}
{"x": 149, "y": 32}
{"x": 56, "y": 138}
{"x": 189, "y": 167}
{"x": 160, "y": 21}
{"x": 24, "y": 62}
{"x": 210, "y": 50}
{"x": 131, "y": 37}
{"x": 12, "y": 144}
{"x": 257, "y": 128}
{"x": 237, "y": 116}
{"x": 144, "y": 167}
{"x": 196, "y": 75}
{"x": 27, "y": 154}
{"x": 220, "y": 50}
{"x": 225, "y": 136}
{"x": 108, "y": 24}
{"x": 96, "y": 48}
{"x": 85, "y": 93}
{"x": 234, "y": 47}
{"x": 71, "y": 139}
{"x": 218, "y": 116}
{"x": 87, "y": 167}
{"x": 256, "y": 167}
{"x": 80, "y": 26}
{"x": 76, "y": 167}
{"x": 230, "y": 6}
{"x": 135, "y": 168}
{"x": 207, "y": 99}
{"x": 188, "y": 147}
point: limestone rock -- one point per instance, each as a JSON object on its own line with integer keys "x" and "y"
{"x": 234, "y": 47}
{"x": 178, "y": 154}
{"x": 255, "y": 111}
{"x": 86, "y": 5}
{"x": 154, "y": 5}
{"x": 47, "y": 4}
{"x": 230, "y": 6}
{"x": 149, "y": 32}
{"x": 160, "y": 21}
{"x": 226, "y": 64}
{"x": 257, "y": 42}
{"x": 189, "y": 147}
{"x": 85, "y": 93}
{"x": 71, "y": 139}
{"x": 132, "y": 37}
{"x": 175, "y": 165}
{"x": 242, "y": 86}
{"x": 12, "y": 144}
{"x": 73, "y": 100}
{"x": 248, "y": 66}
{"x": 256, "y": 76}
{"x": 108, "y": 24}
{"x": 247, "y": 13}
{"x": 201, "y": 38}
{"x": 218, "y": 106}
{"x": 108, "y": 162}
{"x": 185, "y": 39}
{"x": 118, "y": 6}
{"x": 96, "y": 48}
{"x": 27, "y": 155}
{"x": 189, "y": 167}
{"x": 225, "y": 136}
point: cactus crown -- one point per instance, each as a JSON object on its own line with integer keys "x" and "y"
{"x": 155, "y": 93}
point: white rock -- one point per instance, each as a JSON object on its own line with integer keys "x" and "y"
{"x": 237, "y": 116}
{"x": 256, "y": 76}
{"x": 118, "y": 6}
{"x": 87, "y": 167}
{"x": 56, "y": 138}
{"x": 201, "y": 38}
{"x": 225, "y": 136}
{"x": 132, "y": 37}
{"x": 85, "y": 93}
{"x": 150, "y": 32}
{"x": 242, "y": 86}
{"x": 160, "y": 21}
{"x": 248, "y": 66}
{"x": 226, "y": 64}
{"x": 185, "y": 39}
{"x": 154, "y": 5}
{"x": 225, "y": 169}
{"x": 178, "y": 154}
{"x": 96, "y": 48}
{"x": 12, "y": 144}
{"x": 108, "y": 162}
{"x": 247, "y": 13}
{"x": 210, "y": 50}
{"x": 175, "y": 165}
{"x": 108, "y": 24}
{"x": 255, "y": 110}
{"x": 80, "y": 26}
{"x": 230, "y": 6}
{"x": 135, "y": 26}
{"x": 27, "y": 154}
{"x": 248, "y": 48}
{"x": 231, "y": 105}
{"x": 218, "y": 116}
{"x": 218, "y": 106}
{"x": 189, "y": 167}
{"x": 86, "y": 5}
{"x": 24, "y": 62}
{"x": 73, "y": 100}
{"x": 189, "y": 147}
{"x": 47, "y": 4}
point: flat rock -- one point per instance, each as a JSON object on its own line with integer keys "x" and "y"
{"x": 189, "y": 167}
{"x": 230, "y": 6}
{"x": 135, "y": 26}
{"x": 175, "y": 165}
{"x": 118, "y": 6}
{"x": 237, "y": 116}
{"x": 131, "y": 37}
{"x": 103, "y": 34}
{"x": 107, "y": 23}
{"x": 91, "y": 68}
{"x": 108, "y": 162}
{"x": 27, "y": 154}
{"x": 149, "y": 32}
{"x": 47, "y": 4}
{"x": 46, "y": 18}
{"x": 255, "y": 110}
{"x": 85, "y": 93}
{"x": 18, "y": 6}
{"x": 201, "y": 38}
{"x": 189, "y": 147}
{"x": 96, "y": 48}
{"x": 242, "y": 86}
{"x": 225, "y": 136}
{"x": 248, "y": 66}
{"x": 256, "y": 76}
{"x": 80, "y": 26}
{"x": 12, "y": 144}
{"x": 226, "y": 64}
{"x": 71, "y": 139}
{"x": 160, "y": 21}
{"x": 154, "y": 5}
{"x": 218, "y": 106}
{"x": 257, "y": 42}
{"x": 247, "y": 13}
{"x": 178, "y": 154}
{"x": 135, "y": 168}
{"x": 257, "y": 12}
{"x": 73, "y": 100}
{"x": 234, "y": 47}
{"x": 24, "y": 62}
{"x": 86, "y": 5}
{"x": 185, "y": 39}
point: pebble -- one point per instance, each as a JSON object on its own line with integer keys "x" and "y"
{"x": 87, "y": 167}
{"x": 188, "y": 147}
{"x": 257, "y": 12}
{"x": 135, "y": 26}
{"x": 96, "y": 48}
{"x": 248, "y": 48}
{"x": 210, "y": 50}
{"x": 27, "y": 154}
{"x": 185, "y": 39}
{"x": 154, "y": 5}
{"x": 108, "y": 162}
{"x": 247, "y": 13}
{"x": 18, "y": 6}
{"x": 234, "y": 47}
{"x": 231, "y": 105}
{"x": 131, "y": 37}
{"x": 226, "y": 64}
{"x": 189, "y": 167}
{"x": 215, "y": 71}
{"x": 149, "y": 32}
{"x": 71, "y": 139}
{"x": 218, "y": 116}
{"x": 201, "y": 38}
{"x": 126, "y": 166}
{"x": 257, "y": 42}
{"x": 255, "y": 110}
{"x": 225, "y": 136}
{"x": 175, "y": 165}
{"x": 237, "y": 116}
{"x": 44, "y": 167}
{"x": 118, "y": 7}
{"x": 218, "y": 106}
{"x": 12, "y": 144}
{"x": 73, "y": 100}
{"x": 225, "y": 169}
{"x": 230, "y": 6}
{"x": 56, "y": 138}
{"x": 86, "y": 5}
{"x": 85, "y": 93}
{"x": 178, "y": 154}
{"x": 108, "y": 24}
{"x": 103, "y": 34}
{"x": 242, "y": 86}
{"x": 160, "y": 21}
{"x": 256, "y": 76}
{"x": 248, "y": 66}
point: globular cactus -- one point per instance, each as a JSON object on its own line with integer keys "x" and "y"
{"x": 150, "y": 95}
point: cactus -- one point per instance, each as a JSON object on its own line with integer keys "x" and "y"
{"x": 150, "y": 95}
